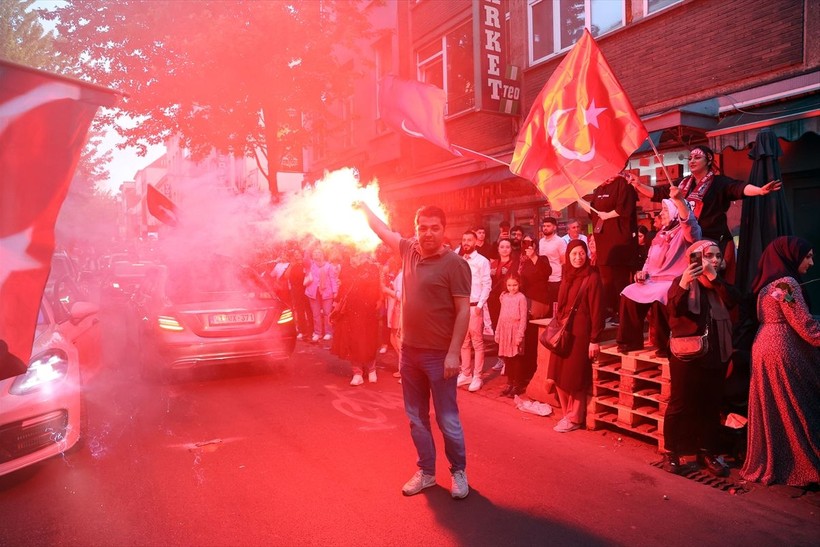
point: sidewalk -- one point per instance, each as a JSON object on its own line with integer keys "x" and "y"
{"x": 637, "y": 446}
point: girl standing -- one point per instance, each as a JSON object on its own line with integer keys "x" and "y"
{"x": 509, "y": 334}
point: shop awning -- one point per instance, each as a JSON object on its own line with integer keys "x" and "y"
{"x": 788, "y": 120}
{"x": 439, "y": 183}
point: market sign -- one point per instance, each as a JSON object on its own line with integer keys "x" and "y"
{"x": 499, "y": 89}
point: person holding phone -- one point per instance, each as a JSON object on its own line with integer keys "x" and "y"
{"x": 666, "y": 259}
{"x": 698, "y": 304}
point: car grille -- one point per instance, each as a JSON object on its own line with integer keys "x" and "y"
{"x": 25, "y": 437}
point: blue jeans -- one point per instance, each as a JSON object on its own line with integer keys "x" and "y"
{"x": 422, "y": 375}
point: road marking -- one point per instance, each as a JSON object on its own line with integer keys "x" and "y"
{"x": 365, "y": 406}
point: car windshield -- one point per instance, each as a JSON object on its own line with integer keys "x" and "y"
{"x": 220, "y": 282}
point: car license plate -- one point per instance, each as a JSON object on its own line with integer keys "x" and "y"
{"x": 231, "y": 318}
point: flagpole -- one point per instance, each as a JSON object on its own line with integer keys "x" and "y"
{"x": 660, "y": 159}
{"x": 474, "y": 153}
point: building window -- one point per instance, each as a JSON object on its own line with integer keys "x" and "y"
{"x": 383, "y": 53}
{"x": 555, "y": 25}
{"x": 654, "y": 6}
{"x": 448, "y": 63}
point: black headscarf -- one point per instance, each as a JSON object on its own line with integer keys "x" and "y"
{"x": 569, "y": 272}
{"x": 781, "y": 258}
{"x": 568, "y": 291}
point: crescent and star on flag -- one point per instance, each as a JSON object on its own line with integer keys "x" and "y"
{"x": 14, "y": 256}
{"x": 591, "y": 114}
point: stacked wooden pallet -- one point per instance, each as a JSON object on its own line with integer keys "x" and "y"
{"x": 630, "y": 392}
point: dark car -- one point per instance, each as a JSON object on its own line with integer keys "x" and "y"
{"x": 221, "y": 314}
{"x": 121, "y": 280}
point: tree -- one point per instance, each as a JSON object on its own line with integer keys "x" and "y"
{"x": 224, "y": 75}
{"x": 23, "y": 39}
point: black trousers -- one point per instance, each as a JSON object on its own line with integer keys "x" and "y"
{"x": 613, "y": 281}
{"x": 633, "y": 314}
{"x": 692, "y": 419}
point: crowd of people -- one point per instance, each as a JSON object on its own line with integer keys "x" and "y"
{"x": 677, "y": 272}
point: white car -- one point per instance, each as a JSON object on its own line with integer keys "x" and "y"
{"x": 41, "y": 410}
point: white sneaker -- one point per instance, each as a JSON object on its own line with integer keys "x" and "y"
{"x": 417, "y": 483}
{"x": 371, "y": 377}
{"x": 475, "y": 385}
{"x": 299, "y": 336}
{"x": 314, "y": 338}
{"x": 327, "y": 337}
{"x": 383, "y": 349}
{"x": 459, "y": 487}
{"x": 499, "y": 365}
{"x": 463, "y": 380}
{"x": 357, "y": 380}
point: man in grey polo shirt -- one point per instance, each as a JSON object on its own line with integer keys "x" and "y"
{"x": 435, "y": 315}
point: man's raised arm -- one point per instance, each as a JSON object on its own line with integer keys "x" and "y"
{"x": 388, "y": 236}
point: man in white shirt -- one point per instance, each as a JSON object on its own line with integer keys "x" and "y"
{"x": 479, "y": 292}
{"x": 574, "y": 232}
{"x": 554, "y": 249}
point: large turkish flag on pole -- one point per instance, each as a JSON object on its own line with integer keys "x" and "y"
{"x": 581, "y": 128}
{"x": 44, "y": 120}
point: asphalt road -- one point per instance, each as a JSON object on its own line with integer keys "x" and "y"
{"x": 296, "y": 456}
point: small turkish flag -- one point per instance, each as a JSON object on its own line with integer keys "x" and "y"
{"x": 581, "y": 128}
{"x": 162, "y": 208}
{"x": 44, "y": 120}
{"x": 414, "y": 108}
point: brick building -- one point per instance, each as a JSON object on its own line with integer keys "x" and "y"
{"x": 697, "y": 72}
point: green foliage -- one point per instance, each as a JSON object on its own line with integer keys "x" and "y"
{"x": 222, "y": 74}
{"x": 24, "y": 40}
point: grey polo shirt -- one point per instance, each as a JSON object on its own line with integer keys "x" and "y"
{"x": 429, "y": 285}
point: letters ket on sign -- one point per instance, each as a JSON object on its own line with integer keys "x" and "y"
{"x": 499, "y": 88}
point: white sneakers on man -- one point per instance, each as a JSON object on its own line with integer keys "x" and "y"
{"x": 357, "y": 380}
{"x": 371, "y": 376}
{"x": 327, "y": 337}
{"x": 459, "y": 487}
{"x": 463, "y": 380}
{"x": 418, "y": 482}
{"x": 476, "y": 384}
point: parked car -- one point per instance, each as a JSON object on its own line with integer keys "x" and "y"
{"x": 121, "y": 280}
{"x": 221, "y": 314}
{"x": 41, "y": 411}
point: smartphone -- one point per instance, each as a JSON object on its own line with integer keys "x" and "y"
{"x": 696, "y": 258}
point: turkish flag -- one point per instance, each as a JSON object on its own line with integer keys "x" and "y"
{"x": 581, "y": 128}
{"x": 162, "y": 208}
{"x": 414, "y": 108}
{"x": 44, "y": 120}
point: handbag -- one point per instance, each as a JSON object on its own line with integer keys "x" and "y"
{"x": 688, "y": 348}
{"x": 558, "y": 337}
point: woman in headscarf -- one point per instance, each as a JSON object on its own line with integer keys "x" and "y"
{"x": 356, "y": 317}
{"x": 710, "y": 194}
{"x": 573, "y": 374}
{"x": 666, "y": 259}
{"x": 698, "y": 304}
{"x": 784, "y": 435}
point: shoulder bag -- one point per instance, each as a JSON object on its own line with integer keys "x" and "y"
{"x": 557, "y": 337}
{"x": 688, "y": 348}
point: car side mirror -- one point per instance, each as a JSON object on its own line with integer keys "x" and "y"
{"x": 81, "y": 310}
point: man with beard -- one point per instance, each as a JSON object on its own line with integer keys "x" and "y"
{"x": 553, "y": 248}
{"x": 435, "y": 317}
{"x": 479, "y": 292}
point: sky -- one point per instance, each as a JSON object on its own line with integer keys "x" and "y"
{"x": 125, "y": 163}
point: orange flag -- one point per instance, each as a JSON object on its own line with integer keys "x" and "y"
{"x": 581, "y": 128}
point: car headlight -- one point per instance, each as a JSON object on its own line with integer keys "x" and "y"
{"x": 46, "y": 368}
{"x": 285, "y": 317}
